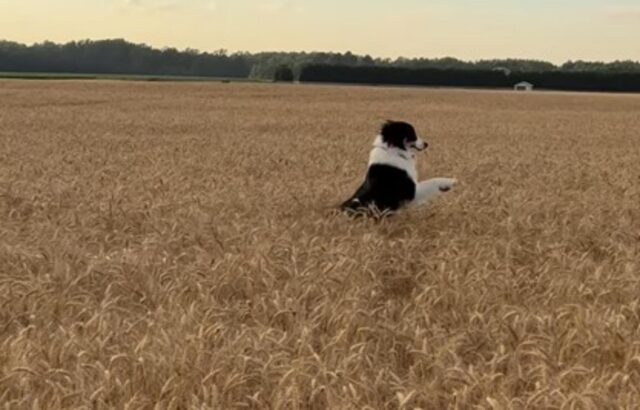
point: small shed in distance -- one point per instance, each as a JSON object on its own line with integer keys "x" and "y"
{"x": 523, "y": 86}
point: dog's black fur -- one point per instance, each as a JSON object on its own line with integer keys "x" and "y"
{"x": 385, "y": 188}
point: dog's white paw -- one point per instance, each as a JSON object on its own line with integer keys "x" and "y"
{"x": 430, "y": 189}
{"x": 447, "y": 185}
{"x": 444, "y": 184}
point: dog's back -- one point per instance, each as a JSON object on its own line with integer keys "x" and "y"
{"x": 385, "y": 188}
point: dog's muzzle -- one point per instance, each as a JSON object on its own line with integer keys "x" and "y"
{"x": 419, "y": 145}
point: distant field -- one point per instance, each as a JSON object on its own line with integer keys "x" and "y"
{"x": 171, "y": 245}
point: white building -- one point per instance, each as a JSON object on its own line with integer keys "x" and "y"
{"x": 523, "y": 86}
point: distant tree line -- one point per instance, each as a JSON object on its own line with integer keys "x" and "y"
{"x": 122, "y": 57}
{"x": 558, "y": 79}
{"x": 403, "y": 76}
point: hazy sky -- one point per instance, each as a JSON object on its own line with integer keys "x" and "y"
{"x": 555, "y": 30}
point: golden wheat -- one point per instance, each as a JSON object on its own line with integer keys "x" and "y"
{"x": 172, "y": 246}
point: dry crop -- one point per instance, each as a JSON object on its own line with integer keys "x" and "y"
{"x": 172, "y": 246}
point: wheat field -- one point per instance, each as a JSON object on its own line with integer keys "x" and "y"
{"x": 173, "y": 246}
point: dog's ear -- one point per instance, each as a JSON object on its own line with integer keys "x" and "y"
{"x": 390, "y": 136}
{"x": 388, "y": 124}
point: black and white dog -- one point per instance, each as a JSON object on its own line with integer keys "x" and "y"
{"x": 392, "y": 179}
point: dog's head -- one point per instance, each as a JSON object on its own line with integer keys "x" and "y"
{"x": 402, "y": 135}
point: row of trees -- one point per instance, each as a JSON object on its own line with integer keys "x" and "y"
{"x": 403, "y": 76}
{"x": 122, "y": 57}
{"x": 493, "y": 78}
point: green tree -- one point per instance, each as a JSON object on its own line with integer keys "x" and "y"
{"x": 283, "y": 73}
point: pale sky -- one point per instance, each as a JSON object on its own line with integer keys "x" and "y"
{"x": 554, "y": 30}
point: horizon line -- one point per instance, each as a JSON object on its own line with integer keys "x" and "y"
{"x": 395, "y": 58}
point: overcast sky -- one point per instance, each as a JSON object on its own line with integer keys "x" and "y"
{"x": 555, "y": 30}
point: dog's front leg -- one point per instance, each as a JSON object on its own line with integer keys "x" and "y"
{"x": 430, "y": 189}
